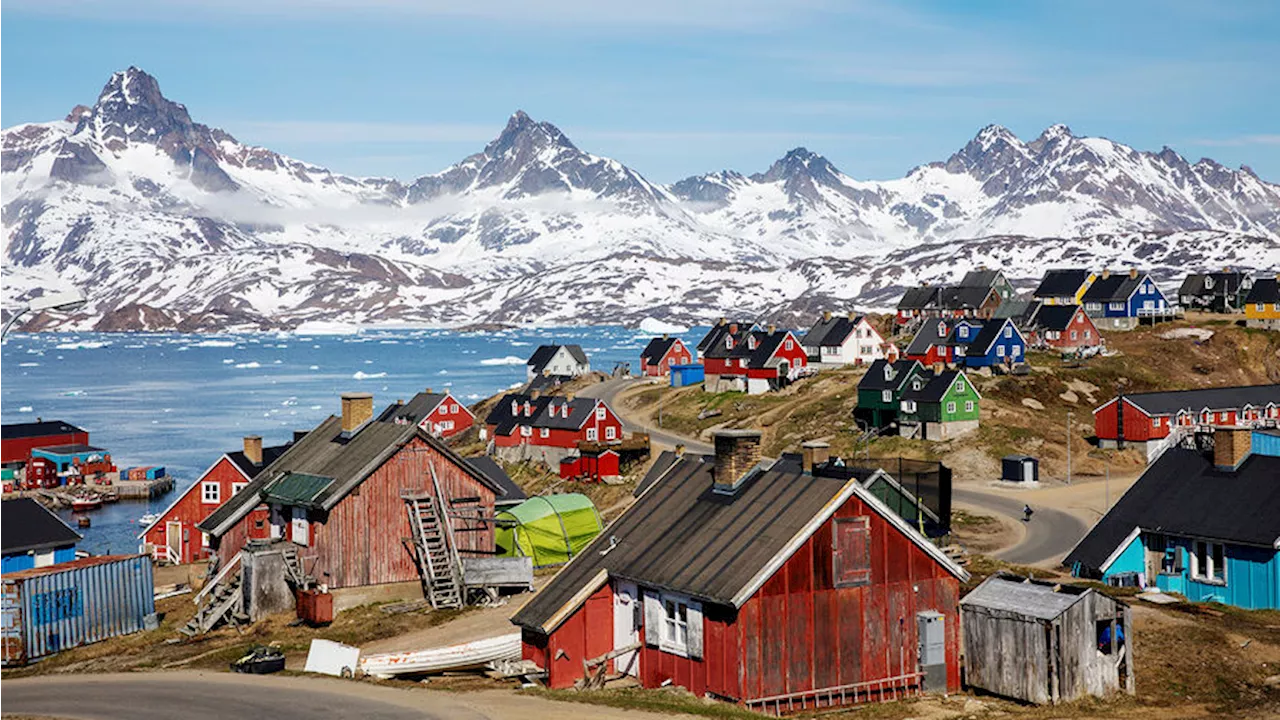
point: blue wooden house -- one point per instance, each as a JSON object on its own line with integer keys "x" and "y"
{"x": 33, "y": 537}
{"x": 1205, "y": 525}
{"x": 995, "y": 342}
{"x": 1122, "y": 302}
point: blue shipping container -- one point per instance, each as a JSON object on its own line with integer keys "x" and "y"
{"x": 682, "y": 375}
{"x": 155, "y": 473}
{"x": 46, "y": 610}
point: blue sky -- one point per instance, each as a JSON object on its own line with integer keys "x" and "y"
{"x": 672, "y": 88}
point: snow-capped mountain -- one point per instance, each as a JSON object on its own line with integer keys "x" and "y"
{"x": 166, "y": 222}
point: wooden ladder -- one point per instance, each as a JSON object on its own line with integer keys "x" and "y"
{"x": 226, "y": 600}
{"x": 438, "y": 560}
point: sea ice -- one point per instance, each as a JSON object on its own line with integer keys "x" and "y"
{"x": 248, "y": 365}
{"x": 508, "y": 360}
{"x": 361, "y": 375}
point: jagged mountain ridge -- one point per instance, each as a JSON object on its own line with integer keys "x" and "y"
{"x": 168, "y": 221}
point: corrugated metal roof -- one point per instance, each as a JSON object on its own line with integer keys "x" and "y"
{"x": 1022, "y": 598}
{"x": 297, "y": 488}
{"x": 76, "y": 564}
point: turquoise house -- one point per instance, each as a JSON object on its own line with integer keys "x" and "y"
{"x": 1203, "y": 524}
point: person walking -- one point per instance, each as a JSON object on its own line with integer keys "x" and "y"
{"x": 1026, "y": 513}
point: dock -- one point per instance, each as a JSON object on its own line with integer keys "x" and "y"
{"x": 141, "y": 489}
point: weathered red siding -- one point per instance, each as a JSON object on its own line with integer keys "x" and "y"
{"x": 458, "y": 414}
{"x": 567, "y": 439}
{"x": 16, "y": 450}
{"x": 191, "y": 509}
{"x": 677, "y": 354}
{"x": 1137, "y": 424}
{"x": 587, "y": 634}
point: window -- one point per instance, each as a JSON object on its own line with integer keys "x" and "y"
{"x": 886, "y": 396}
{"x": 968, "y": 406}
{"x": 675, "y": 626}
{"x": 1008, "y": 332}
{"x": 526, "y": 431}
{"x": 453, "y": 409}
{"x": 788, "y": 344}
{"x": 544, "y": 432}
{"x": 1074, "y": 334}
{"x": 610, "y": 433}
{"x": 592, "y": 434}
{"x": 1260, "y": 307}
{"x": 237, "y": 487}
{"x": 210, "y": 493}
{"x": 1117, "y": 306}
{"x": 963, "y": 331}
{"x": 999, "y": 351}
{"x": 1017, "y": 350}
{"x": 600, "y": 413}
{"x": 908, "y": 406}
{"x": 851, "y": 551}
{"x": 951, "y": 407}
{"x": 204, "y": 539}
{"x": 959, "y": 385}
{"x": 1208, "y": 562}
{"x": 444, "y": 409}
{"x": 1088, "y": 334}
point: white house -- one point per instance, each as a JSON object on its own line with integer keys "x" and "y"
{"x": 844, "y": 340}
{"x": 558, "y": 361}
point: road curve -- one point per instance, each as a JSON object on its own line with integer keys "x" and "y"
{"x": 200, "y": 695}
{"x": 1050, "y": 535}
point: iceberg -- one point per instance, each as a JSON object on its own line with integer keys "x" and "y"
{"x": 657, "y": 327}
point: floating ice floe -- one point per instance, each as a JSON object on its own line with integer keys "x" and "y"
{"x": 443, "y": 372}
{"x": 508, "y": 360}
{"x": 214, "y": 343}
{"x": 314, "y": 367}
{"x": 323, "y": 327}
{"x": 657, "y": 327}
{"x": 361, "y": 375}
{"x": 227, "y": 361}
{"x": 28, "y": 364}
{"x": 82, "y": 345}
{"x": 73, "y": 393}
{"x": 248, "y": 365}
{"x": 26, "y": 408}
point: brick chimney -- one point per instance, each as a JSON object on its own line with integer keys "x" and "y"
{"x": 723, "y": 320}
{"x": 852, "y": 316}
{"x": 737, "y": 451}
{"x": 253, "y": 448}
{"x": 814, "y": 453}
{"x": 1133, "y": 273}
{"x": 826, "y": 316}
{"x": 1105, "y": 273}
{"x": 535, "y": 394}
{"x": 772, "y": 329}
{"x": 1231, "y": 445}
{"x": 666, "y": 336}
{"x": 357, "y": 409}
{"x": 733, "y": 328}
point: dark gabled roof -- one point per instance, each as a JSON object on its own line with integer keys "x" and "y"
{"x": 1183, "y": 493}
{"x": 929, "y": 334}
{"x": 1113, "y": 288}
{"x": 656, "y": 350}
{"x": 919, "y": 298}
{"x": 964, "y": 298}
{"x": 418, "y": 407}
{"x": 269, "y": 455}
{"x": 546, "y": 411}
{"x": 934, "y": 387}
{"x": 1019, "y": 311}
{"x": 37, "y": 429}
{"x": 325, "y": 452}
{"x": 1062, "y": 282}
{"x": 1215, "y": 284}
{"x": 680, "y": 535}
{"x": 544, "y": 353}
{"x": 766, "y": 344}
{"x": 1054, "y": 317}
{"x": 874, "y": 377}
{"x": 27, "y": 525}
{"x": 485, "y": 465}
{"x": 831, "y": 333}
{"x": 665, "y": 461}
{"x": 980, "y": 278}
{"x": 1222, "y": 398}
{"x": 988, "y": 335}
{"x": 715, "y": 336}
{"x": 1265, "y": 290}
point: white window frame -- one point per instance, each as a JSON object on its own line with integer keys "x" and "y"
{"x": 526, "y": 431}
{"x": 951, "y": 407}
{"x": 236, "y": 487}
{"x": 544, "y": 432}
{"x": 1155, "y": 423}
{"x": 788, "y": 344}
{"x": 999, "y": 351}
{"x": 886, "y": 396}
{"x": 210, "y": 492}
{"x": 673, "y": 632}
{"x": 1209, "y": 572}
{"x": 1008, "y": 332}
{"x": 611, "y": 433}
{"x": 601, "y": 413}
{"x": 592, "y": 435}
{"x": 959, "y": 386}
{"x": 968, "y": 406}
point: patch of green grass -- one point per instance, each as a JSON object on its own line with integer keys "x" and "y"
{"x": 660, "y": 701}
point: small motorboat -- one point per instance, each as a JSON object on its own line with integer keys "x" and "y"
{"x": 81, "y": 504}
{"x": 84, "y": 521}
{"x": 148, "y": 519}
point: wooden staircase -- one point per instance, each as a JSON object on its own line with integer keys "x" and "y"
{"x": 221, "y": 599}
{"x": 438, "y": 560}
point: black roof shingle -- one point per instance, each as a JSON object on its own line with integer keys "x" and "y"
{"x": 1264, "y": 290}
{"x": 43, "y": 428}
{"x": 1221, "y": 398}
{"x": 1061, "y": 282}
{"x": 27, "y": 525}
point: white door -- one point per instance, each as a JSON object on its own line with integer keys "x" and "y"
{"x": 173, "y": 539}
{"x": 626, "y": 626}
{"x": 299, "y": 526}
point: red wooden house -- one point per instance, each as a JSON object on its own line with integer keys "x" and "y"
{"x": 661, "y": 353}
{"x": 591, "y": 464}
{"x": 173, "y": 536}
{"x": 335, "y": 495}
{"x": 1138, "y": 418}
{"x": 1062, "y": 327}
{"x": 17, "y": 440}
{"x": 549, "y": 427}
{"x": 440, "y": 414}
{"x": 754, "y": 361}
{"x": 813, "y": 602}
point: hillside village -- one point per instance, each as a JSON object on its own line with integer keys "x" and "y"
{"x": 772, "y": 520}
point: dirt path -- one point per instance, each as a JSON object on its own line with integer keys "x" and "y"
{"x": 476, "y": 624}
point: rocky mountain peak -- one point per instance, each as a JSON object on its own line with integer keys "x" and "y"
{"x": 76, "y": 113}
{"x": 993, "y": 150}
{"x": 1053, "y": 136}
{"x": 523, "y": 134}
{"x": 798, "y": 163}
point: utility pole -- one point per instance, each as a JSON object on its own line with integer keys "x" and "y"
{"x": 1068, "y": 447}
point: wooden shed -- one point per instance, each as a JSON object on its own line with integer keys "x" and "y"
{"x": 1044, "y": 642}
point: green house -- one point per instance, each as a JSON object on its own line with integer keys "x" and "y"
{"x": 939, "y": 406}
{"x": 880, "y": 391}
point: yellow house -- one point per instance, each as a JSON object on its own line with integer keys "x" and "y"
{"x": 1063, "y": 286}
{"x": 1262, "y": 307}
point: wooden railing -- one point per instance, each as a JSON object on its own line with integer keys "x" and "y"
{"x": 212, "y": 584}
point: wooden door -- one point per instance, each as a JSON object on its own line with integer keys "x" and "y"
{"x": 173, "y": 541}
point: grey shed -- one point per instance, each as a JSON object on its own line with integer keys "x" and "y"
{"x": 1043, "y": 642}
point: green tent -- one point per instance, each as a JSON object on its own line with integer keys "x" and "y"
{"x": 551, "y": 529}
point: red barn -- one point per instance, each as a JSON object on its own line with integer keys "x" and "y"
{"x": 19, "y": 439}
{"x": 173, "y": 536}
{"x": 1138, "y": 418}
{"x": 335, "y": 494}
{"x": 437, "y": 413}
{"x": 549, "y": 427}
{"x": 783, "y": 586}
{"x": 754, "y": 361}
{"x": 661, "y": 353}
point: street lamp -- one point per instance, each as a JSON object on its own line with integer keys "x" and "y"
{"x": 62, "y": 301}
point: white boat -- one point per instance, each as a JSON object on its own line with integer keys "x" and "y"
{"x": 148, "y": 519}
{"x": 468, "y": 656}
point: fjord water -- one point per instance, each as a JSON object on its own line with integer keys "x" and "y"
{"x": 182, "y": 400}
